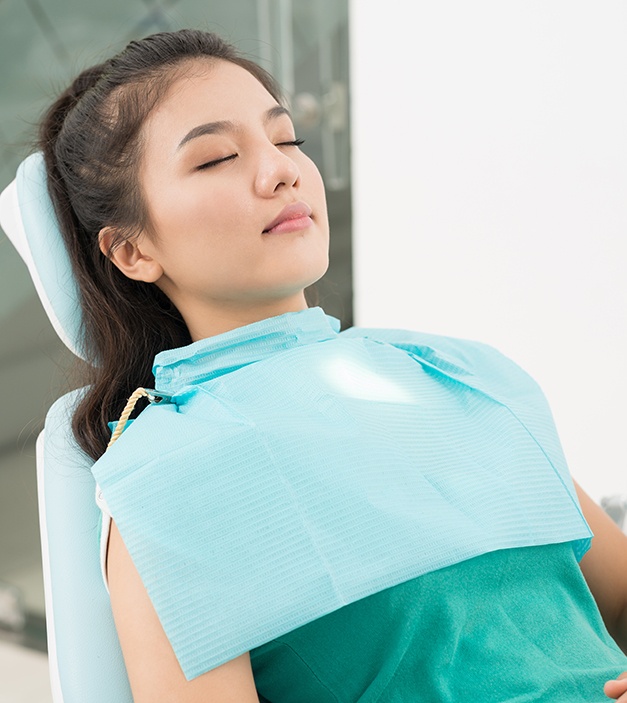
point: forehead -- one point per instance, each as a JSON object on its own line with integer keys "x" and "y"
{"x": 207, "y": 91}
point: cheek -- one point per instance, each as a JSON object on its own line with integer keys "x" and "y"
{"x": 215, "y": 202}
{"x": 181, "y": 215}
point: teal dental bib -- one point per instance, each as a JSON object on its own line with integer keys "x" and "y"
{"x": 298, "y": 468}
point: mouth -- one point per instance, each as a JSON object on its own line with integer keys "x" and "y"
{"x": 293, "y": 217}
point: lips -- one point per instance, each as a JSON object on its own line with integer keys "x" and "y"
{"x": 294, "y": 211}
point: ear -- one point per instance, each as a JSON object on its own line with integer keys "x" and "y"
{"x": 130, "y": 257}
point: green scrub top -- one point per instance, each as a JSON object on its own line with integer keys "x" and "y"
{"x": 515, "y": 625}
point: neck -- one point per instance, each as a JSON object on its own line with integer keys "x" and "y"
{"x": 209, "y": 319}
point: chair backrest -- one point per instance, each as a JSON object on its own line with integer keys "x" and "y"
{"x": 85, "y": 658}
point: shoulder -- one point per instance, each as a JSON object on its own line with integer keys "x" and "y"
{"x": 454, "y": 356}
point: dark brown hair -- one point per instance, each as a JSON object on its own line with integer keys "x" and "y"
{"x": 91, "y": 142}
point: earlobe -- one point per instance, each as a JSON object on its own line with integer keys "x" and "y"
{"x": 129, "y": 257}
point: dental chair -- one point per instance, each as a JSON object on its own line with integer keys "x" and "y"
{"x": 85, "y": 658}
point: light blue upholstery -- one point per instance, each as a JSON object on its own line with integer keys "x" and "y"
{"x": 48, "y": 252}
{"x": 85, "y": 659}
{"x": 44, "y": 252}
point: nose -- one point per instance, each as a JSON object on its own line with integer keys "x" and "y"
{"x": 276, "y": 170}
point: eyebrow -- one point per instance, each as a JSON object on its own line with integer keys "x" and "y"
{"x": 227, "y": 126}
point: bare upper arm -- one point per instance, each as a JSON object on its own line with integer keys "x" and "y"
{"x": 153, "y": 670}
{"x": 604, "y": 565}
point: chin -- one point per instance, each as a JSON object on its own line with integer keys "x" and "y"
{"x": 303, "y": 276}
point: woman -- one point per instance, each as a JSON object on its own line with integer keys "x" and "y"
{"x": 195, "y": 224}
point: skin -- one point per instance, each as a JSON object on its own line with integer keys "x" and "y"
{"x": 604, "y": 566}
{"x": 206, "y": 249}
{"x": 617, "y": 688}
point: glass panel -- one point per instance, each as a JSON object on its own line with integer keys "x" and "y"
{"x": 302, "y": 42}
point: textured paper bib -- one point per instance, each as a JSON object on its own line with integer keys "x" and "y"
{"x": 300, "y": 468}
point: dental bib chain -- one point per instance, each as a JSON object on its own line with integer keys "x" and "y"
{"x": 153, "y": 397}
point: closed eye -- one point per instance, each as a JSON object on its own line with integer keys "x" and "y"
{"x": 295, "y": 142}
{"x": 215, "y": 162}
{"x": 209, "y": 164}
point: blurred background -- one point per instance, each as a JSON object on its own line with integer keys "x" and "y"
{"x": 43, "y": 45}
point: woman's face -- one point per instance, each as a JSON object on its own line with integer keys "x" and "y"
{"x": 219, "y": 169}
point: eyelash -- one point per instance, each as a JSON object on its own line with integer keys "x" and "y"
{"x": 294, "y": 142}
{"x": 209, "y": 164}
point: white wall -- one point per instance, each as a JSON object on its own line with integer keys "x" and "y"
{"x": 489, "y": 161}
